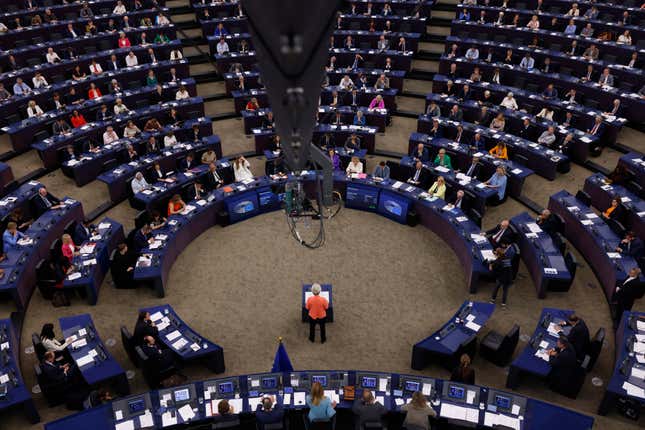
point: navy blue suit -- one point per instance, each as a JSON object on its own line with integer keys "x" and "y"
{"x": 275, "y": 415}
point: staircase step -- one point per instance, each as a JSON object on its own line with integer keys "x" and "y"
{"x": 420, "y": 74}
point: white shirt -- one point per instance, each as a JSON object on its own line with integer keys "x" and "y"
{"x": 131, "y": 131}
{"x": 119, "y": 9}
{"x": 169, "y": 141}
{"x": 162, "y": 20}
{"x": 119, "y": 109}
{"x": 33, "y": 111}
{"x": 139, "y": 185}
{"x": 354, "y": 168}
{"x": 242, "y": 171}
{"x": 176, "y": 55}
{"x": 52, "y": 57}
{"x": 545, "y": 114}
{"x": 39, "y": 82}
{"x": 624, "y": 40}
{"x": 53, "y": 345}
{"x": 96, "y": 68}
{"x": 509, "y": 103}
{"x": 346, "y": 84}
{"x": 222, "y": 47}
{"x": 181, "y": 95}
{"x": 131, "y": 60}
{"x": 109, "y": 137}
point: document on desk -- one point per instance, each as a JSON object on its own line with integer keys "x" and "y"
{"x": 633, "y": 390}
{"x": 638, "y": 372}
{"x": 534, "y": 228}
{"x": 84, "y": 360}
{"x": 639, "y": 348}
{"x": 333, "y": 395}
{"x": 640, "y": 325}
{"x": 79, "y": 343}
{"x": 399, "y": 401}
{"x": 156, "y": 316}
{"x": 382, "y": 384}
{"x": 543, "y": 354}
{"x": 168, "y": 420}
{"x": 254, "y": 402}
{"x": 163, "y": 324}
{"x": 473, "y": 326}
{"x": 488, "y": 255}
{"x": 146, "y": 420}
{"x": 125, "y": 425}
{"x": 470, "y": 397}
{"x": 324, "y": 294}
{"x": 179, "y": 344}
{"x": 299, "y": 398}
{"x": 453, "y": 411}
{"x": 237, "y": 405}
{"x": 554, "y": 329}
{"x": 173, "y": 335}
{"x": 186, "y": 412}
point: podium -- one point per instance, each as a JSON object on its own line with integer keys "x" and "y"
{"x": 326, "y": 292}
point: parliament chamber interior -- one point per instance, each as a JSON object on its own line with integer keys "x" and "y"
{"x": 438, "y": 267}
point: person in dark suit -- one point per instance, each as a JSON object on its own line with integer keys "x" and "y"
{"x": 631, "y": 245}
{"x": 196, "y": 192}
{"x": 501, "y": 233}
{"x": 144, "y": 327}
{"x": 59, "y": 374}
{"x": 45, "y": 201}
{"x": 82, "y": 232}
{"x": 547, "y": 222}
{"x": 626, "y": 294}
{"x": 161, "y": 359}
{"x": 563, "y": 362}
{"x": 421, "y": 153}
{"x": 188, "y": 162}
{"x": 268, "y": 412}
{"x": 367, "y": 410}
{"x": 502, "y": 268}
{"x": 456, "y": 114}
{"x": 460, "y": 201}
{"x": 141, "y": 238}
{"x": 157, "y": 96}
{"x": 418, "y": 177}
{"x": 268, "y": 121}
{"x": 578, "y": 336}
{"x": 104, "y": 114}
{"x": 122, "y": 267}
{"x": 435, "y": 131}
{"x": 526, "y": 130}
{"x": 472, "y": 170}
{"x": 213, "y": 179}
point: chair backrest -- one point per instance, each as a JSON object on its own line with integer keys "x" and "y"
{"x": 616, "y": 226}
{"x": 227, "y": 424}
{"x": 510, "y": 340}
{"x": 594, "y": 348}
{"x": 128, "y": 345}
{"x": 583, "y": 197}
{"x": 273, "y": 426}
{"x": 571, "y": 263}
{"x": 372, "y": 425}
{"x": 39, "y": 348}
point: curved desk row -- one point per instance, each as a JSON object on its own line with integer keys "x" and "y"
{"x": 118, "y": 179}
{"x": 398, "y": 22}
{"x": 461, "y": 155}
{"x": 534, "y": 359}
{"x": 224, "y": 62}
{"x": 93, "y": 360}
{"x": 365, "y": 96}
{"x": 629, "y": 367}
{"x": 87, "y": 166}
{"x": 579, "y": 150}
{"x": 28, "y": 129}
{"x": 16, "y": 394}
{"x": 540, "y": 159}
{"x": 593, "y": 238}
{"x": 338, "y": 134}
{"x": 584, "y": 115}
{"x": 61, "y": 9}
{"x": 6, "y": 176}
{"x": 370, "y": 39}
{"x": 542, "y": 258}
{"x": 19, "y": 198}
{"x": 455, "y": 403}
{"x": 390, "y": 198}
{"x": 19, "y": 277}
{"x": 345, "y": 57}
{"x": 93, "y": 261}
{"x": 602, "y": 193}
{"x": 395, "y": 76}
{"x": 457, "y": 336}
{"x": 185, "y": 342}
{"x": 545, "y": 17}
{"x": 48, "y": 148}
{"x": 57, "y": 83}
{"x": 634, "y": 163}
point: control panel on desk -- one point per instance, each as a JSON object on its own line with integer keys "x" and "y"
{"x": 134, "y": 409}
{"x": 264, "y": 383}
{"x": 460, "y": 393}
{"x": 216, "y": 390}
{"x": 409, "y": 384}
{"x": 375, "y": 382}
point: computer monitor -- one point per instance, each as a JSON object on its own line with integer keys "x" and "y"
{"x": 269, "y": 383}
{"x": 322, "y": 379}
{"x": 225, "y": 387}
{"x": 182, "y": 395}
{"x": 368, "y": 382}
{"x": 412, "y": 386}
{"x": 136, "y": 406}
{"x": 502, "y": 402}
{"x": 456, "y": 392}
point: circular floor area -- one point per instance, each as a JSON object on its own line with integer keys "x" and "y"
{"x": 393, "y": 286}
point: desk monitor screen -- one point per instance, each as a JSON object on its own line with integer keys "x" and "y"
{"x": 136, "y": 406}
{"x": 456, "y": 392}
{"x": 369, "y": 382}
{"x": 268, "y": 383}
{"x": 502, "y": 402}
{"x": 320, "y": 379}
{"x": 412, "y": 386}
{"x": 225, "y": 387}
{"x": 182, "y": 395}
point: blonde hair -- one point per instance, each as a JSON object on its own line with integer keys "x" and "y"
{"x": 419, "y": 400}
{"x": 317, "y": 393}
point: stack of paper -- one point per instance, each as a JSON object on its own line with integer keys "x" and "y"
{"x": 254, "y": 402}
{"x": 84, "y": 360}
{"x": 186, "y": 413}
{"x": 541, "y": 353}
{"x": 491, "y": 419}
{"x": 179, "y": 344}
{"x": 125, "y": 425}
{"x": 168, "y": 420}
{"x": 333, "y": 395}
{"x": 324, "y": 294}
{"x": 633, "y": 390}
{"x": 298, "y": 398}
{"x": 554, "y": 329}
{"x": 173, "y": 335}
